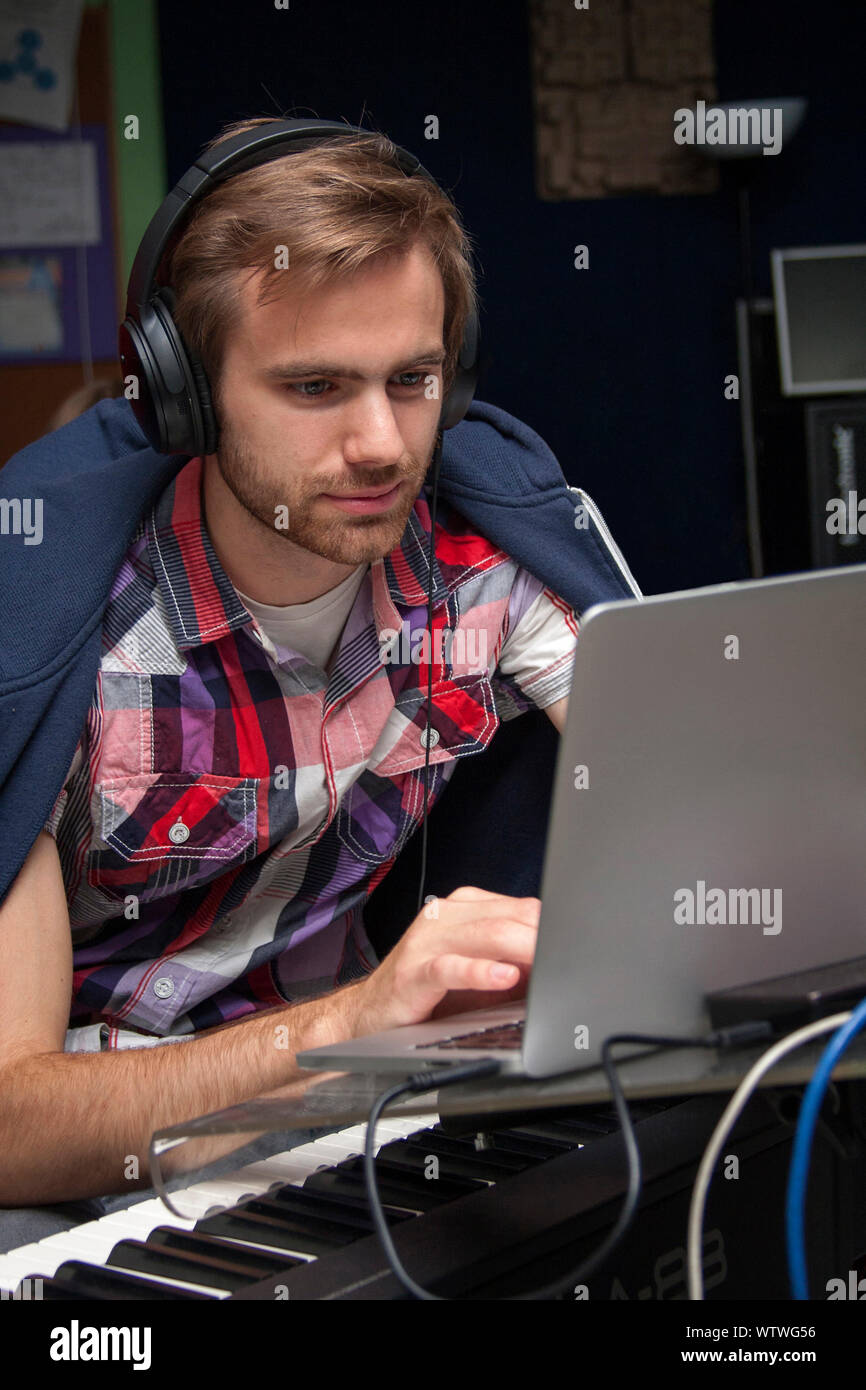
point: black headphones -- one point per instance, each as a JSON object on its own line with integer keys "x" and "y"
{"x": 174, "y": 405}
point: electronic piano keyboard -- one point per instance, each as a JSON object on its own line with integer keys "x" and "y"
{"x": 272, "y": 1216}
{"x": 93, "y": 1241}
{"x": 468, "y": 1221}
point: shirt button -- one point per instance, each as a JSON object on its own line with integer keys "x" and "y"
{"x": 163, "y": 988}
{"x": 179, "y": 833}
{"x": 434, "y": 738}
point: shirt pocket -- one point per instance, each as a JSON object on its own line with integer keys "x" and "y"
{"x": 381, "y": 810}
{"x": 161, "y": 833}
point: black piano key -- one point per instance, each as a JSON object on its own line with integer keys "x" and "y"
{"x": 208, "y": 1271}
{"x": 405, "y": 1171}
{"x": 558, "y": 1145}
{"x": 494, "y": 1161}
{"x": 198, "y": 1243}
{"x": 92, "y": 1281}
{"x": 261, "y": 1230}
{"x": 351, "y": 1210}
{"x": 351, "y": 1202}
{"x": 596, "y": 1122}
{"x": 315, "y": 1223}
{"x": 456, "y": 1165}
{"x": 508, "y": 1142}
{"x": 392, "y": 1191}
{"x": 53, "y": 1291}
{"x": 549, "y": 1129}
{"x": 409, "y": 1161}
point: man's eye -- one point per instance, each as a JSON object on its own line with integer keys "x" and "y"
{"x": 301, "y": 386}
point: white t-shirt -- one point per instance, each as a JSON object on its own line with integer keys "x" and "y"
{"x": 313, "y": 628}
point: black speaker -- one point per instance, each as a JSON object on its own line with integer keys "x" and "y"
{"x": 836, "y": 450}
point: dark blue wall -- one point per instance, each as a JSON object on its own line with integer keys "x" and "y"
{"x": 621, "y": 367}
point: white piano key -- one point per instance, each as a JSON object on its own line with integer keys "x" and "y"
{"x": 294, "y": 1174}
{"x": 220, "y": 1193}
{"x": 150, "y": 1213}
{"x": 17, "y": 1264}
{"x": 338, "y": 1143}
{"x": 322, "y": 1155}
{"x": 301, "y": 1162}
{"x": 294, "y": 1165}
{"x": 72, "y": 1245}
{"x": 405, "y": 1125}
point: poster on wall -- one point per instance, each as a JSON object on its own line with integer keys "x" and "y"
{"x": 57, "y": 288}
{"x": 38, "y": 50}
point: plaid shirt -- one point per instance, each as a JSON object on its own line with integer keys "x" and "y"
{"x": 231, "y": 806}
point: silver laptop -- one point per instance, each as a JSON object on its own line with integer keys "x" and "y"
{"x": 707, "y": 828}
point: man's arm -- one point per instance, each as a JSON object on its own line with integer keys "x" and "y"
{"x": 537, "y": 656}
{"x": 69, "y": 1122}
{"x": 558, "y": 713}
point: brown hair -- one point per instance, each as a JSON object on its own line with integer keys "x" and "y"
{"x": 334, "y": 206}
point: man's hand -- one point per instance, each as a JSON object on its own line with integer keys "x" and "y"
{"x": 476, "y": 953}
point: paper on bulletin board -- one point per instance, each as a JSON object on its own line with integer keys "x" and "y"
{"x": 38, "y": 52}
{"x": 30, "y": 308}
{"x": 49, "y": 195}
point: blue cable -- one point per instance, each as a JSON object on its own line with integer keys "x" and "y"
{"x": 798, "y": 1173}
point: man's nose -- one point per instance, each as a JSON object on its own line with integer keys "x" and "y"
{"x": 372, "y": 434}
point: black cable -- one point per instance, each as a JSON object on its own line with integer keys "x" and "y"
{"x": 437, "y": 458}
{"x": 414, "y": 1085}
{"x": 738, "y": 1035}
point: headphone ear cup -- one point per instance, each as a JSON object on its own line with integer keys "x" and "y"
{"x": 199, "y": 387}
{"x": 205, "y": 400}
{"x": 173, "y": 394}
{"x": 136, "y": 368}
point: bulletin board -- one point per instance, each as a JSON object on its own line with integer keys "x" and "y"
{"x": 70, "y": 292}
{"x": 57, "y": 254}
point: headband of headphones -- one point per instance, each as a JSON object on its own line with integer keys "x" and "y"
{"x": 174, "y": 405}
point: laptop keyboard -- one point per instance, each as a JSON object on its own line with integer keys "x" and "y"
{"x": 507, "y": 1035}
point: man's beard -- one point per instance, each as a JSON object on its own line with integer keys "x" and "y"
{"x": 307, "y": 519}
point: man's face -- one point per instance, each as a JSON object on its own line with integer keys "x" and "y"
{"x": 327, "y": 394}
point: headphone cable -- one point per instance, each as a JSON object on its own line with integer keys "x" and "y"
{"x": 437, "y": 457}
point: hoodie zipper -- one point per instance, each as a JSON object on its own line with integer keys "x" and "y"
{"x": 611, "y": 543}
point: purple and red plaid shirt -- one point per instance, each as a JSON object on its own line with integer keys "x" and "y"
{"x": 231, "y": 805}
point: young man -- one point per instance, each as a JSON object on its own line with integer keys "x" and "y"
{"x": 253, "y": 758}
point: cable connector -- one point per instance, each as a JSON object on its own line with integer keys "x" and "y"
{"x": 739, "y": 1034}
{"x": 449, "y": 1076}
